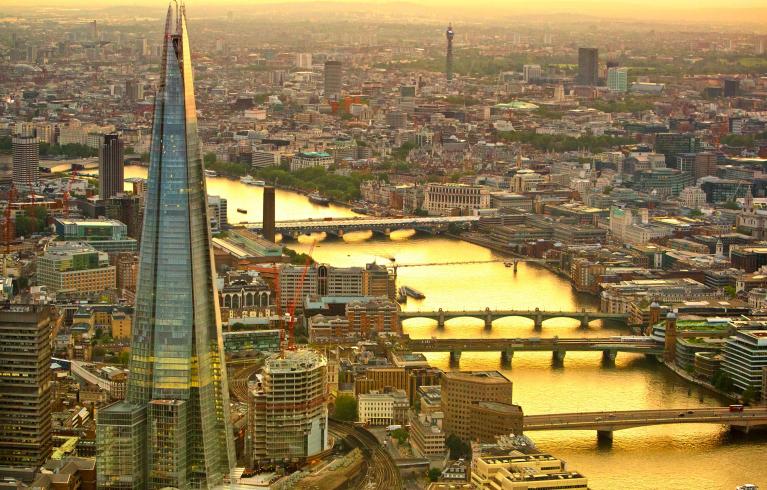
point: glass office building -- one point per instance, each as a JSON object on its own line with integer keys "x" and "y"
{"x": 173, "y": 428}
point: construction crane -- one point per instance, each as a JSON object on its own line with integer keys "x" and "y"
{"x": 297, "y": 294}
{"x": 67, "y": 192}
{"x": 7, "y": 228}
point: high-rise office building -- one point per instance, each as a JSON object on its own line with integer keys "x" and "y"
{"x": 731, "y": 87}
{"x": 467, "y": 394}
{"x": 25, "y": 388}
{"x": 111, "y": 165}
{"x": 333, "y": 79}
{"x": 588, "y": 66}
{"x": 618, "y": 79}
{"x": 671, "y": 145}
{"x": 173, "y": 428}
{"x": 26, "y": 159}
{"x": 449, "y": 34}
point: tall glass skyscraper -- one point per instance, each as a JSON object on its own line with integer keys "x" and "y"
{"x": 173, "y": 428}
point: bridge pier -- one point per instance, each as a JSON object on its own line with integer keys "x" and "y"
{"x": 558, "y": 356}
{"x": 488, "y": 319}
{"x": 604, "y": 435}
{"x": 455, "y": 358}
{"x": 585, "y": 320}
{"x": 538, "y": 319}
{"x": 506, "y": 356}
{"x": 440, "y": 318}
{"x": 608, "y": 356}
{"x": 515, "y": 262}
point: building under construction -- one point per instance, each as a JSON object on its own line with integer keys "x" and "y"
{"x": 288, "y": 412}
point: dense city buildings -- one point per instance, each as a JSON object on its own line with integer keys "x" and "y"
{"x": 180, "y": 408}
{"x": 312, "y": 266}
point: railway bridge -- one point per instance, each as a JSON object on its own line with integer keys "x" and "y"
{"x": 431, "y": 224}
{"x": 537, "y": 315}
{"x": 609, "y": 347}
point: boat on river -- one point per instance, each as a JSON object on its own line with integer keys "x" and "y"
{"x": 317, "y": 198}
{"x": 412, "y": 292}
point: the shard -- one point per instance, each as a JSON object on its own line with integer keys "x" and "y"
{"x": 173, "y": 429}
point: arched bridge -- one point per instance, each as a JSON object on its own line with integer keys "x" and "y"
{"x": 537, "y": 315}
{"x": 338, "y": 227}
{"x": 607, "y": 422}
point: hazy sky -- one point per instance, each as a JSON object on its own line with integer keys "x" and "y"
{"x": 751, "y": 11}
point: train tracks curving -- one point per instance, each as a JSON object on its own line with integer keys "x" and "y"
{"x": 238, "y": 382}
{"x": 382, "y": 472}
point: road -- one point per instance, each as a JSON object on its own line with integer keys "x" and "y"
{"x": 609, "y": 421}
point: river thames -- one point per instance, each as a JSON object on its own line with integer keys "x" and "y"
{"x": 674, "y": 456}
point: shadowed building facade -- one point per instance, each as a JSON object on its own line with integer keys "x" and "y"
{"x": 173, "y": 428}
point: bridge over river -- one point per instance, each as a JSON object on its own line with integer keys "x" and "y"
{"x": 607, "y": 422}
{"x": 609, "y": 347}
{"x": 537, "y": 315}
{"x": 338, "y": 227}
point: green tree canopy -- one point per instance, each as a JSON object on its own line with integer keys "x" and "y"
{"x": 346, "y": 408}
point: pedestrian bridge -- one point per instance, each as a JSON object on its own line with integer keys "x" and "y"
{"x": 537, "y": 315}
{"x": 609, "y": 347}
{"x": 607, "y": 422}
{"x": 338, "y": 227}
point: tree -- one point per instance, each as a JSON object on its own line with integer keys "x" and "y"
{"x": 401, "y": 435}
{"x": 434, "y": 474}
{"x": 346, "y": 408}
{"x": 748, "y": 395}
{"x": 696, "y": 213}
{"x": 729, "y": 290}
{"x": 458, "y": 448}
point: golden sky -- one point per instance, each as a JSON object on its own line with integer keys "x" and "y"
{"x": 750, "y": 11}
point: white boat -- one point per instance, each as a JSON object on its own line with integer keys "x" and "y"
{"x": 259, "y": 183}
{"x": 211, "y": 173}
{"x": 248, "y": 180}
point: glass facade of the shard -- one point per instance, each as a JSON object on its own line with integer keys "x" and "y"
{"x": 172, "y": 430}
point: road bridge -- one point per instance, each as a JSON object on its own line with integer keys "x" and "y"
{"x": 609, "y": 347}
{"x": 338, "y": 227}
{"x": 537, "y": 315}
{"x": 607, "y": 422}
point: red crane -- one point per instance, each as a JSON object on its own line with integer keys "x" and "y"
{"x": 297, "y": 294}
{"x": 65, "y": 199}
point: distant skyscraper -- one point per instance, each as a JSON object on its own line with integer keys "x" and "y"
{"x": 731, "y": 87}
{"x": 25, "y": 387}
{"x": 173, "y": 428}
{"x": 111, "y": 166}
{"x": 26, "y": 159}
{"x": 532, "y": 72}
{"x": 134, "y": 90}
{"x": 588, "y": 66}
{"x": 449, "y": 34}
{"x": 333, "y": 79}
{"x": 617, "y": 79}
{"x": 304, "y": 60}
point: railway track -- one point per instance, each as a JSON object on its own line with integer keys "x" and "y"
{"x": 238, "y": 382}
{"x": 382, "y": 473}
